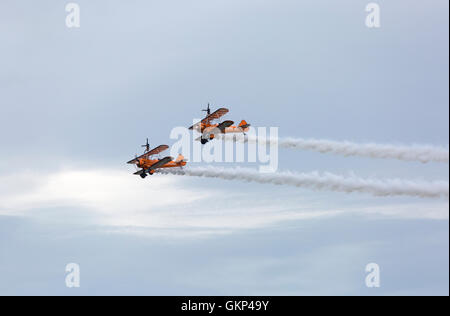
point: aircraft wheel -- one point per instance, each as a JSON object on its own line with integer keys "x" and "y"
{"x": 143, "y": 175}
{"x": 204, "y": 141}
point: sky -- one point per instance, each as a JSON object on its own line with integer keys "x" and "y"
{"x": 77, "y": 103}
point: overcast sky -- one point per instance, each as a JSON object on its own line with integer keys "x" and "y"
{"x": 76, "y": 104}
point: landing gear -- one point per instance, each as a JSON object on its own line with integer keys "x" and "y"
{"x": 203, "y": 141}
{"x": 143, "y": 175}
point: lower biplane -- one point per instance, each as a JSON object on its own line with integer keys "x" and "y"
{"x": 149, "y": 165}
{"x": 209, "y": 129}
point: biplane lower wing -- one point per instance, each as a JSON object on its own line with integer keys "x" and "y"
{"x": 160, "y": 163}
{"x": 216, "y": 130}
{"x": 222, "y": 126}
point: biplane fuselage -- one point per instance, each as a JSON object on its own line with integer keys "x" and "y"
{"x": 208, "y": 129}
{"x": 147, "y": 164}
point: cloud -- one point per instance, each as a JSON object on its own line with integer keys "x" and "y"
{"x": 115, "y": 196}
{"x": 115, "y": 201}
{"x": 119, "y": 200}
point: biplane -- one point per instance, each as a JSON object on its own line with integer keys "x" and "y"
{"x": 208, "y": 129}
{"x": 149, "y": 164}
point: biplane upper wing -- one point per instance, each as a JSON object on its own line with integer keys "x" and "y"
{"x": 152, "y": 152}
{"x": 213, "y": 116}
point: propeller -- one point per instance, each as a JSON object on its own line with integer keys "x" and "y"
{"x": 207, "y": 110}
{"x": 147, "y": 146}
{"x": 135, "y": 165}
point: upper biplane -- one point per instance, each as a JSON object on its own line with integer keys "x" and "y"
{"x": 149, "y": 164}
{"x": 209, "y": 129}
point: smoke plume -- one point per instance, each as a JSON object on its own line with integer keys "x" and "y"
{"x": 422, "y": 153}
{"x": 324, "y": 181}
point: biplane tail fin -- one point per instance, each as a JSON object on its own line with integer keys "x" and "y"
{"x": 244, "y": 124}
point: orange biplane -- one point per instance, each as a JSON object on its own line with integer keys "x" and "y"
{"x": 149, "y": 165}
{"x": 208, "y": 129}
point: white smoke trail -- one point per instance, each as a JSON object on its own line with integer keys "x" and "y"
{"x": 422, "y": 153}
{"x": 325, "y": 181}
